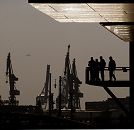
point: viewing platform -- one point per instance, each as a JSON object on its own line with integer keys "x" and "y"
{"x": 122, "y": 78}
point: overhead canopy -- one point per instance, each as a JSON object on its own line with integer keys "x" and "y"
{"x": 124, "y": 30}
{"x": 80, "y": 1}
{"x": 121, "y": 14}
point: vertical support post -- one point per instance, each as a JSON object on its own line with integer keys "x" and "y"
{"x": 87, "y": 75}
{"x": 50, "y": 101}
{"x": 131, "y": 62}
{"x": 59, "y": 114}
{"x": 71, "y": 95}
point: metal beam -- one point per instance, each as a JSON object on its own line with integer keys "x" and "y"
{"x": 131, "y": 62}
{"x": 80, "y": 1}
{"x": 116, "y": 23}
{"x": 59, "y": 113}
{"x": 50, "y": 98}
{"x": 116, "y": 100}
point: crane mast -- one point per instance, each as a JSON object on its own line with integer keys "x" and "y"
{"x": 12, "y": 80}
{"x": 42, "y": 98}
{"x": 65, "y": 81}
{"x": 70, "y": 93}
{"x": 76, "y": 84}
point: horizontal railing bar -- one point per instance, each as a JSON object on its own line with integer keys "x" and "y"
{"x": 117, "y": 68}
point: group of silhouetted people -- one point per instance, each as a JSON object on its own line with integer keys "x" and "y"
{"x": 98, "y": 66}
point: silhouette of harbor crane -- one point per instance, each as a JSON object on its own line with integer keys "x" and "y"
{"x": 70, "y": 83}
{"x": 11, "y": 79}
{"x": 45, "y": 95}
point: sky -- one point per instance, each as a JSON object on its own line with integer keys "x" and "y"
{"x": 25, "y": 30}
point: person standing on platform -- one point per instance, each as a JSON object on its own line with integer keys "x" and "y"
{"x": 111, "y": 68}
{"x": 97, "y": 68}
{"x": 102, "y": 67}
{"x": 91, "y": 65}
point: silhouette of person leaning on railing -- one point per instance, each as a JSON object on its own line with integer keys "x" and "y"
{"x": 111, "y": 68}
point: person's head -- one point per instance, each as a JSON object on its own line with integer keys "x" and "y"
{"x": 101, "y": 57}
{"x": 110, "y": 58}
{"x": 96, "y": 60}
{"x": 92, "y": 58}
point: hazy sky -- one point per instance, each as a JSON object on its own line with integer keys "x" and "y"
{"x": 25, "y": 30}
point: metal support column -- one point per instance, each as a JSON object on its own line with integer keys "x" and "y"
{"x": 131, "y": 62}
{"x": 50, "y": 99}
{"x": 59, "y": 114}
{"x": 87, "y": 75}
{"x": 71, "y": 96}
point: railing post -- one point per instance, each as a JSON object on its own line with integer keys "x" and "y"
{"x": 59, "y": 113}
{"x": 87, "y": 75}
{"x": 50, "y": 98}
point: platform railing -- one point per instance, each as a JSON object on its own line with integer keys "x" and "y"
{"x": 121, "y": 74}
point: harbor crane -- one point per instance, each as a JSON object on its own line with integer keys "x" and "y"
{"x": 42, "y": 98}
{"x": 76, "y": 84}
{"x": 65, "y": 81}
{"x": 11, "y": 80}
{"x": 70, "y": 83}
